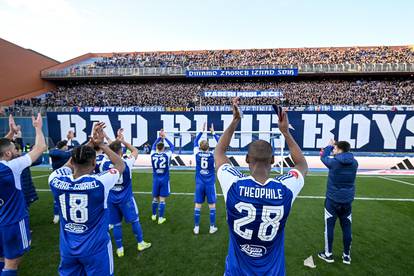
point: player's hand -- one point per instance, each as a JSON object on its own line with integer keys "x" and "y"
{"x": 12, "y": 124}
{"x": 332, "y": 142}
{"x": 204, "y": 126}
{"x": 236, "y": 109}
{"x": 283, "y": 122}
{"x": 120, "y": 134}
{"x": 37, "y": 122}
{"x": 212, "y": 128}
{"x": 162, "y": 133}
{"x": 98, "y": 135}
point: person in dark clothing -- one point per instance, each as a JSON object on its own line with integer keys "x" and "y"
{"x": 339, "y": 196}
{"x": 59, "y": 156}
{"x": 71, "y": 142}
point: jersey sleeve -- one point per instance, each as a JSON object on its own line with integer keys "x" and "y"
{"x": 108, "y": 178}
{"x": 227, "y": 175}
{"x": 60, "y": 172}
{"x": 130, "y": 161}
{"x": 17, "y": 165}
{"x": 294, "y": 181}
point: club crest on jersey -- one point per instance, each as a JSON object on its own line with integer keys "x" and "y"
{"x": 252, "y": 250}
{"x": 294, "y": 173}
{"x": 112, "y": 171}
{"x": 75, "y": 228}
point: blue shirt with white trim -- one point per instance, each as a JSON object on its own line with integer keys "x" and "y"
{"x": 12, "y": 203}
{"x": 123, "y": 187}
{"x": 204, "y": 163}
{"x": 256, "y": 217}
{"x": 83, "y": 211}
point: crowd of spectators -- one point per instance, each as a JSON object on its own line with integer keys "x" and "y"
{"x": 255, "y": 57}
{"x": 187, "y": 94}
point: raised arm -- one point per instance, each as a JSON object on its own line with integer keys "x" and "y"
{"x": 171, "y": 145}
{"x": 154, "y": 146}
{"x": 108, "y": 140}
{"x": 326, "y": 152}
{"x": 40, "y": 143}
{"x": 222, "y": 145}
{"x": 98, "y": 140}
{"x": 12, "y": 128}
{"x": 295, "y": 151}
{"x": 131, "y": 148}
{"x": 216, "y": 136}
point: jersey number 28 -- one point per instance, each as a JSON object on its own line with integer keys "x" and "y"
{"x": 271, "y": 215}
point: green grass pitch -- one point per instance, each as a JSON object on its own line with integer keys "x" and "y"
{"x": 383, "y": 231}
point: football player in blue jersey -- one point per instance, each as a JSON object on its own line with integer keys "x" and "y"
{"x": 59, "y": 156}
{"x": 205, "y": 180}
{"x": 15, "y": 237}
{"x": 257, "y": 206}
{"x": 85, "y": 244}
{"x": 121, "y": 201}
{"x": 160, "y": 159}
{"x": 99, "y": 153}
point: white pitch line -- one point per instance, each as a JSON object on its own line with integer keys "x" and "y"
{"x": 304, "y": 197}
{"x": 396, "y": 180}
{"x": 40, "y": 176}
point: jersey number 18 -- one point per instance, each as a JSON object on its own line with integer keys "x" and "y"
{"x": 78, "y": 207}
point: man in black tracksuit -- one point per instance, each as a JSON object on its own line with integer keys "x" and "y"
{"x": 339, "y": 196}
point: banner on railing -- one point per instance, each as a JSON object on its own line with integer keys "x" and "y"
{"x": 367, "y": 131}
{"x": 237, "y": 73}
{"x": 242, "y": 94}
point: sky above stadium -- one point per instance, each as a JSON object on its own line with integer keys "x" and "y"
{"x": 64, "y": 29}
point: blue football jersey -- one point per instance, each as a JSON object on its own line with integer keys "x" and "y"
{"x": 99, "y": 159}
{"x": 256, "y": 216}
{"x": 161, "y": 164}
{"x": 204, "y": 167}
{"x": 12, "y": 203}
{"x": 83, "y": 210}
{"x": 123, "y": 187}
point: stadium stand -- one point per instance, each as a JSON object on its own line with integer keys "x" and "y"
{"x": 186, "y": 94}
{"x": 254, "y": 57}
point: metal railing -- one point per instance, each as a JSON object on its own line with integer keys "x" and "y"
{"x": 181, "y": 71}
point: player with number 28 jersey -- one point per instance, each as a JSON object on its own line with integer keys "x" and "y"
{"x": 256, "y": 215}
{"x": 257, "y": 205}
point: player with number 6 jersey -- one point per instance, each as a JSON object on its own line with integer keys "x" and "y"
{"x": 258, "y": 206}
{"x": 205, "y": 180}
{"x": 160, "y": 160}
{"x": 85, "y": 244}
